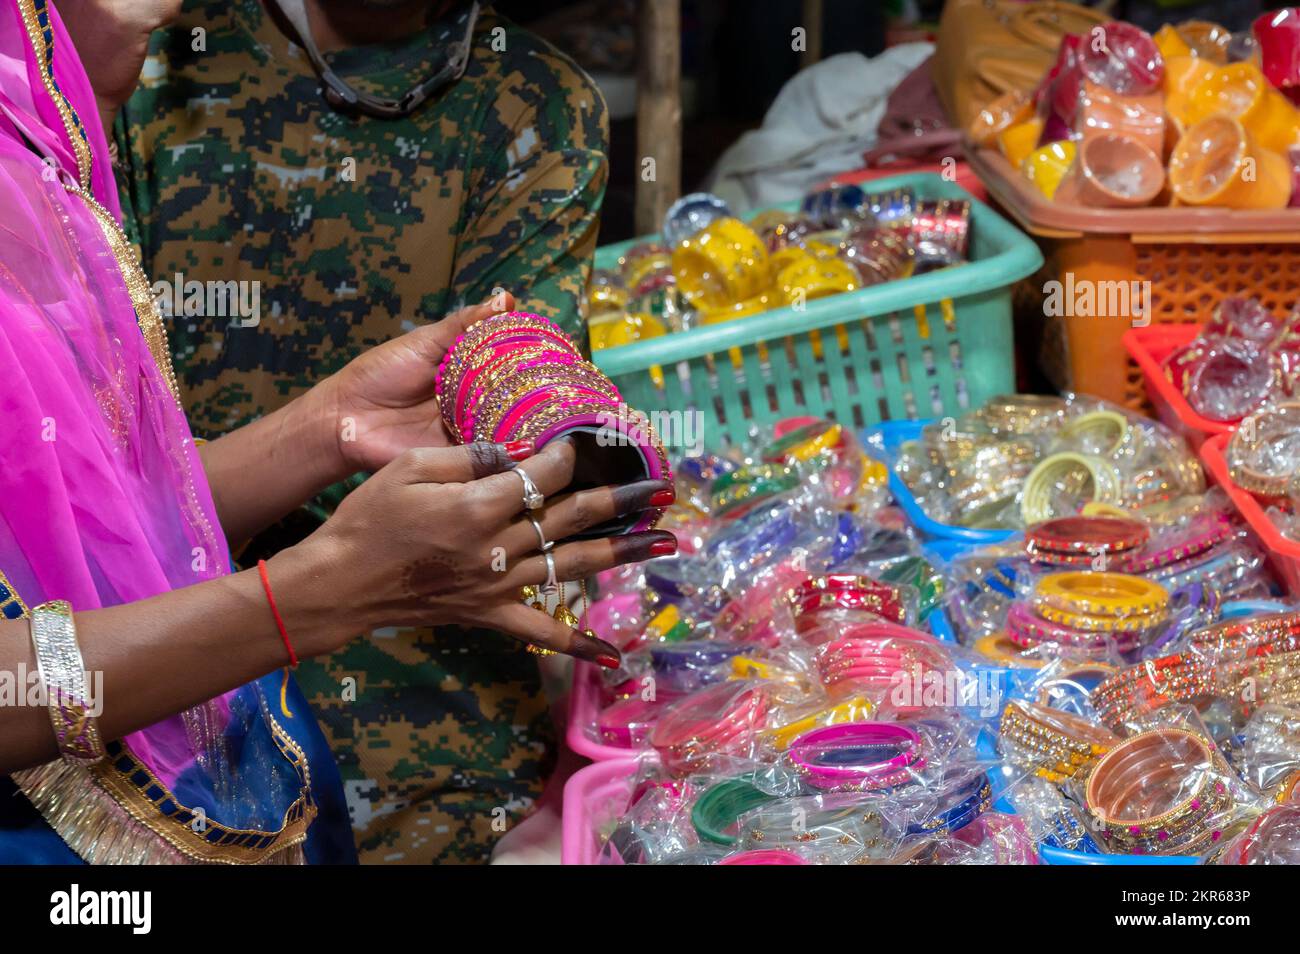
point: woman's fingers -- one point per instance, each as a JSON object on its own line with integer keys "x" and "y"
{"x": 458, "y": 465}
{"x": 573, "y": 513}
{"x": 550, "y": 470}
{"x": 577, "y": 561}
{"x": 539, "y": 628}
{"x": 439, "y": 338}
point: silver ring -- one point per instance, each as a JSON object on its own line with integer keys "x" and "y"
{"x": 533, "y": 498}
{"x": 542, "y": 543}
{"x": 552, "y": 585}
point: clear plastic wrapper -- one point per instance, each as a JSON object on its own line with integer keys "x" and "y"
{"x": 656, "y": 824}
{"x": 825, "y": 829}
{"x": 1268, "y": 752}
{"x": 901, "y": 671}
{"x": 1271, "y": 839}
{"x": 1053, "y": 744}
{"x": 1166, "y": 788}
{"x": 832, "y": 455}
{"x": 1126, "y": 60}
{"x": 1049, "y": 817}
{"x": 684, "y": 667}
{"x": 1024, "y": 459}
{"x": 994, "y": 838}
{"x": 1137, "y": 117}
{"x": 720, "y": 721}
{"x": 1244, "y": 358}
{"x": 1264, "y": 452}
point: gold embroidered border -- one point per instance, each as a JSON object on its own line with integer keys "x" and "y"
{"x": 137, "y": 285}
{"x": 107, "y": 819}
{"x": 43, "y": 47}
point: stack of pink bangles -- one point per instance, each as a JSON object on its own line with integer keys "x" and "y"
{"x": 873, "y": 659}
{"x": 721, "y": 719}
{"x": 516, "y": 376}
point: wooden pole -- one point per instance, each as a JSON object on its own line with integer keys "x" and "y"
{"x": 658, "y": 112}
{"x": 812, "y": 22}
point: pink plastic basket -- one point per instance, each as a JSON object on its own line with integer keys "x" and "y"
{"x": 593, "y": 797}
{"x": 584, "y": 710}
{"x": 1149, "y": 347}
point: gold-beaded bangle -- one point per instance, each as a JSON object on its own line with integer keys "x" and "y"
{"x": 1056, "y": 743}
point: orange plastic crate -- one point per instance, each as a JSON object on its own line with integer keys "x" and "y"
{"x": 1194, "y": 258}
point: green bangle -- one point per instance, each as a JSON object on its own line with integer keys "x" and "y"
{"x": 722, "y": 804}
{"x": 918, "y": 572}
{"x": 1036, "y": 501}
{"x": 731, "y": 490}
{"x": 1109, "y": 425}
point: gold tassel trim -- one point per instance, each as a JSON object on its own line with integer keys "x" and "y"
{"x": 101, "y": 831}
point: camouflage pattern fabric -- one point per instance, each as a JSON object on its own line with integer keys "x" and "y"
{"x": 233, "y": 168}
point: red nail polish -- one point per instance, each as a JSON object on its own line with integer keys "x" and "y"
{"x": 519, "y": 450}
{"x": 609, "y": 662}
{"x": 664, "y": 547}
{"x": 662, "y": 498}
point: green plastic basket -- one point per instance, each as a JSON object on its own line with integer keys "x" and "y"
{"x": 904, "y": 358}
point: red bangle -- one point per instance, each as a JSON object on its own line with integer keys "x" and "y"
{"x": 279, "y": 620}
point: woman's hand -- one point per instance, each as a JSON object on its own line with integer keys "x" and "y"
{"x": 382, "y": 404}
{"x": 379, "y": 406}
{"x": 440, "y": 536}
{"x": 112, "y": 40}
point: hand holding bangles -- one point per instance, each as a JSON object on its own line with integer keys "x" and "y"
{"x": 443, "y": 536}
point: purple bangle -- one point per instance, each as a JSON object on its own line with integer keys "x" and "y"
{"x": 896, "y": 765}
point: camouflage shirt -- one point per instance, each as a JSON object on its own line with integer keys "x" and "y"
{"x": 233, "y": 169}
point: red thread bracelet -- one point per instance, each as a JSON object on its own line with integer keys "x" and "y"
{"x": 279, "y": 620}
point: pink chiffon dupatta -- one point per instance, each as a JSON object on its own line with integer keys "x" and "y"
{"x": 103, "y": 499}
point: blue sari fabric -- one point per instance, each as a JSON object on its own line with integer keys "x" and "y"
{"x": 25, "y": 837}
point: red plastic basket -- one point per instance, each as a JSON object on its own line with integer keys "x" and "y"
{"x": 1149, "y": 347}
{"x": 1283, "y": 553}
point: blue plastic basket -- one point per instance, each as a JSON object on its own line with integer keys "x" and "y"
{"x": 891, "y": 436}
{"x": 1064, "y": 856}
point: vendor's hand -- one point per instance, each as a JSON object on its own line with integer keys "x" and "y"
{"x": 382, "y": 404}
{"x": 440, "y": 536}
{"x": 112, "y": 39}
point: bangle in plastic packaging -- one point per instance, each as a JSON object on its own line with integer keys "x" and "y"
{"x": 1161, "y": 791}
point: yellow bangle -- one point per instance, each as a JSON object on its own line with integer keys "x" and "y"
{"x": 1000, "y": 648}
{"x": 1110, "y": 426}
{"x": 1103, "y": 594}
{"x": 816, "y": 278}
{"x": 1100, "y": 624}
{"x": 724, "y": 262}
{"x": 620, "y": 328}
{"x": 1036, "y": 499}
{"x": 730, "y": 311}
{"x": 817, "y": 445}
{"x": 855, "y": 709}
{"x": 1095, "y": 508}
